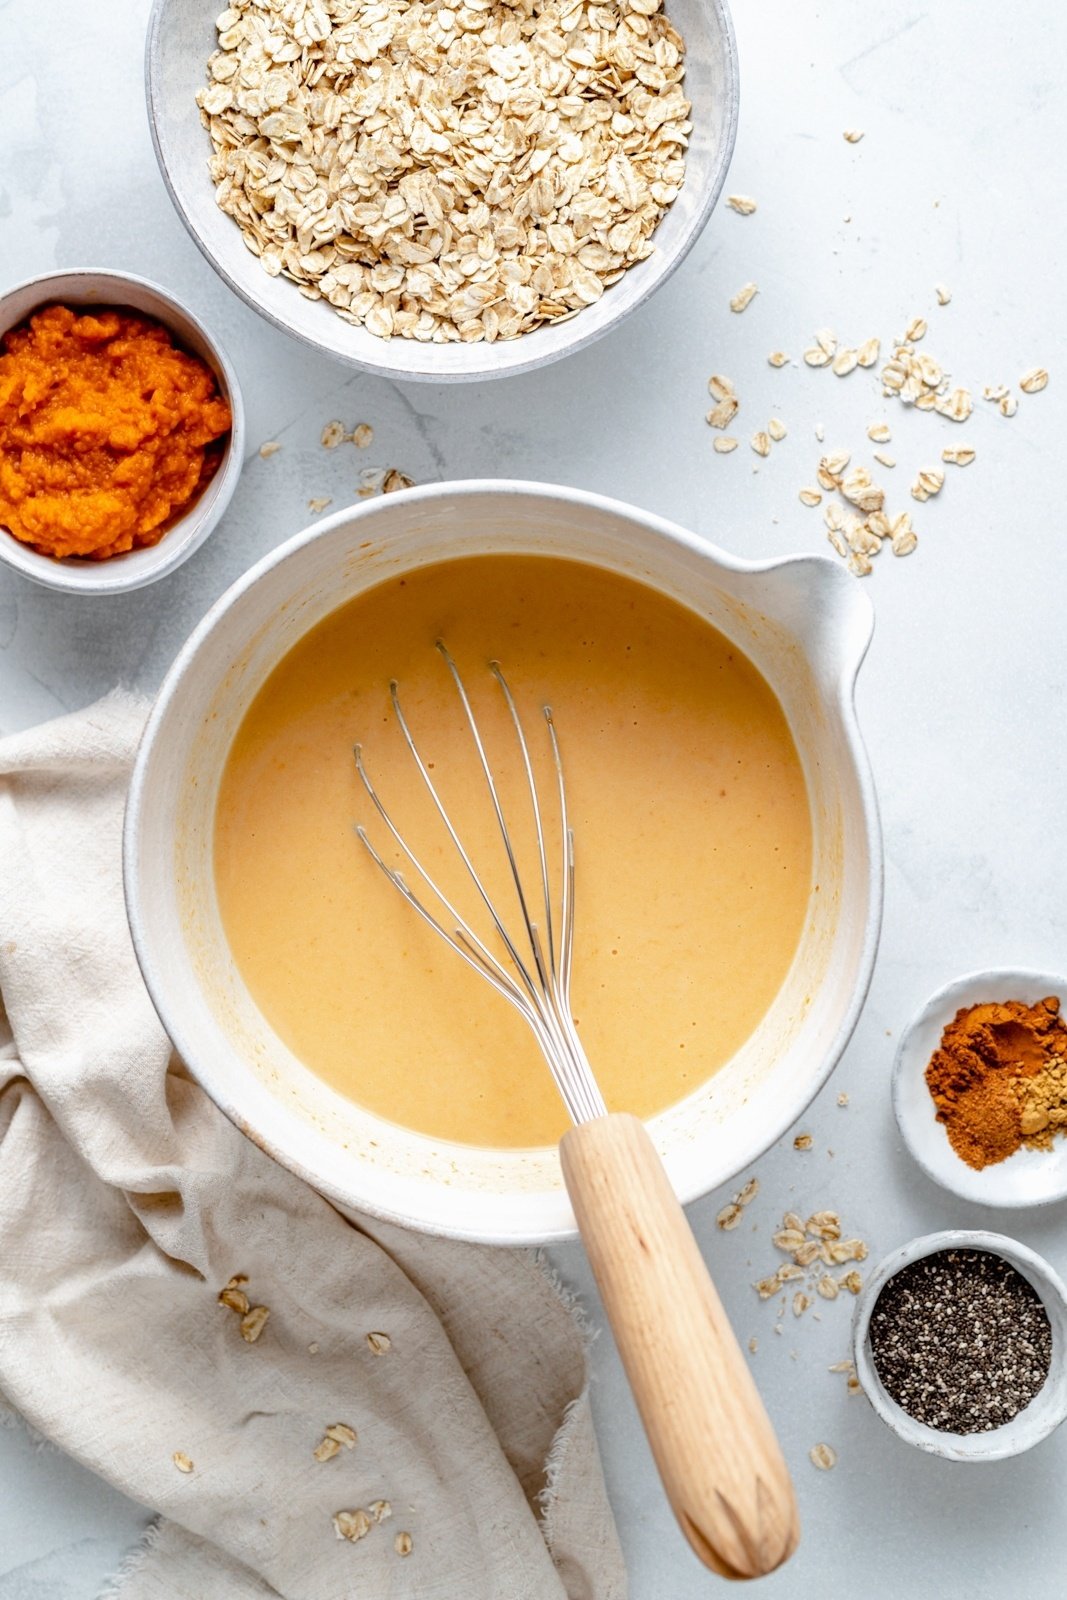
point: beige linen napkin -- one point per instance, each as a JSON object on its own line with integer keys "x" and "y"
{"x": 127, "y": 1201}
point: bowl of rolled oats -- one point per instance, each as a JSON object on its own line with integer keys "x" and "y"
{"x": 443, "y": 191}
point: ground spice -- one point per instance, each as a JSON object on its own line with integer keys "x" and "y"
{"x": 961, "y": 1340}
{"x": 107, "y": 430}
{"x": 999, "y": 1079}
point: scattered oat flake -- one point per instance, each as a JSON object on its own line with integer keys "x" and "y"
{"x": 720, "y": 388}
{"x": 379, "y": 1343}
{"x": 1034, "y": 381}
{"x": 859, "y": 565}
{"x": 801, "y": 1302}
{"x": 879, "y": 433}
{"x": 809, "y": 496}
{"x": 182, "y": 1461}
{"x": 271, "y": 448}
{"x": 943, "y": 292}
{"x": 402, "y": 1544}
{"x": 743, "y": 204}
{"x": 827, "y": 1287}
{"x": 320, "y": 502}
{"x": 326, "y": 1449}
{"x": 778, "y": 358}
{"x": 724, "y": 444}
{"x": 958, "y": 455}
{"x": 816, "y": 356}
{"x": 332, "y": 435}
{"x": 776, "y": 429}
{"x": 915, "y": 330}
{"x": 884, "y": 460}
{"x": 253, "y": 1323}
{"x": 844, "y": 362}
{"x": 1008, "y": 405}
{"x": 868, "y": 352}
{"x": 994, "y": 391}
{"x": 744, "y": 297}
{"x": 380, "y": 1510}
{"x": 729, "y": 1216}
{"x": 853, "y": 135}
{"x": 351, "y": 1525}
{"x": 928, "y": 483}
{"x": 842, "y": 1099}
{"x": 234, "y": 1298}
{"x": 395, "y": 480}
{"x": 362, "y": 435}
{"x": 724, "y": 412}
{"x": 342, "y": 1434}
{"x": 803, "y": 1141}
{"x": 761, "y": 443}
{"x": 823, "y": 1456}
{"x": 745, "y": 1196}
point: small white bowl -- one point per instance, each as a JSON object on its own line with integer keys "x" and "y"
{"x": 138, "y": 567}
{"x": 1027, "y": 1178}
{"x": 1037, "y": 1420}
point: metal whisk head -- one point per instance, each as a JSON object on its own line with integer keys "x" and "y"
{"x": 535, "y": 974}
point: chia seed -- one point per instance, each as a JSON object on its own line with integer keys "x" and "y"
{"x": 961, "y": 1340}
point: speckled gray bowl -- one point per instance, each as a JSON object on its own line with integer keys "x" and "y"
{"x": 1037, "y": 1420}
{"x": 181, "y": 36}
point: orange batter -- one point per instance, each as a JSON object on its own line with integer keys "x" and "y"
{"x": 691, "y": 817}
{"x": 104, "y": 429}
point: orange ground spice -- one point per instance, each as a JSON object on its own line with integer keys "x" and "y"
{"x": 998, "y": 1068}
{"x": 107, "y": 430}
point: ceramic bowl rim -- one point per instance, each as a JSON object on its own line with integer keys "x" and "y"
{"x": 176, "y": 545}
{"x": 939, "y": 1001}
{"x": 952, "y": 1446}
{"x": 844, "y": 701}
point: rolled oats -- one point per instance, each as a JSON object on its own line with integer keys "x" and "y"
{"x": 725, "y": 444}
{"x": 776, "y": 429}
{"x": 1034, "y": 381}
{"x": 743, "y": 204}
{"x": 823, "y": 1456}
{"x": 853, "y": 135}
{"x": 352, "y": 1525}
{"x": 447, "y": 175}
{"x": 761, "y": 443}
{"x": 778, "y": 358}
{"x": 744, "y": 297}
{"x": 959, "y": 455}
{"x": 722, "y": 414}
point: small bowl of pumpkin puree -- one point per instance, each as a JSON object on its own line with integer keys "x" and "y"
{"x": 121, "y": 431}
{"x": 727, "y": 862}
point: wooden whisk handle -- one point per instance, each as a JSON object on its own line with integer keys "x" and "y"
{"x": 711, "y": 1438}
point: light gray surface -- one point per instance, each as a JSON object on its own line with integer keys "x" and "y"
{"x": 962, "y": 698}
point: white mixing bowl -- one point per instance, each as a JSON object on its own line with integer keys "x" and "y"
{"x": 803, "y": 621}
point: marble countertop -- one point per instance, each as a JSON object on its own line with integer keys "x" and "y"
{"x": 962, "y": 698}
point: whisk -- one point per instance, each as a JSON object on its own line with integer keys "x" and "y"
{"x": 712, "y": 1441}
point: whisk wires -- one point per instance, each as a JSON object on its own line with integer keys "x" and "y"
{"x": 536, "y": 976}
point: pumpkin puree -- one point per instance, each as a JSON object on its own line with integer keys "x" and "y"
{"x": 104, "y": 425}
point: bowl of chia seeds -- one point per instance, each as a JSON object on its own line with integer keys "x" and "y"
{"x": 959, "y": 1340}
